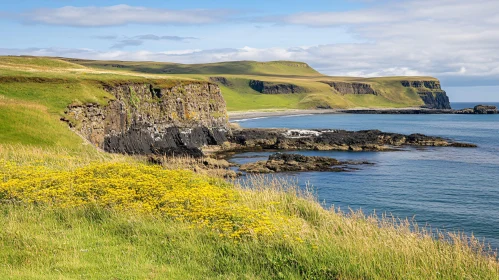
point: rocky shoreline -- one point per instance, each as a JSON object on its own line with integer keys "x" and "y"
{"x": 328, "y": 140}
{"x": 280, "y": 162}
{"x": 478, "y": 110}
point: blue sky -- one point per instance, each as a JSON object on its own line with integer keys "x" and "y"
{"x": 456, "y": 41}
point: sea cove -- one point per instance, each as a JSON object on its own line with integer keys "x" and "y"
{"x": 447, "y": 188}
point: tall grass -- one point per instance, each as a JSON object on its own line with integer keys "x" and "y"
{"x": 95, "y": 241}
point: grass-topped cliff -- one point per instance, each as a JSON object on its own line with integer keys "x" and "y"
{"x": 235, "y": 79}
{"x": 70, "y": 211}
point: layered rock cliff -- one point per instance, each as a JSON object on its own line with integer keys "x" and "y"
{"x": 274, "y": 88}
{"x": 430, "y": 92}
{"x": 351, "y": 88}
{"x": 144, "y": 119}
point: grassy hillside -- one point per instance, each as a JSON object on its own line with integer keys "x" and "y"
{"x": 274, "y": 68}
{"x": 240, "y": 97}
{"x": 114, "y": 217}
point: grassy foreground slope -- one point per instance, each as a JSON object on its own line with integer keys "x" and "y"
{"x": 240, "y": 97}
{"x": 118, "y": 218}
{"x": 69, "y": 211}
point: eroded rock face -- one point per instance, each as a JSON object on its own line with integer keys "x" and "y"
{"x": 274, "y": 88}
{"x": 280, "y": 162}
{"x": 221, "y": 80}
{"x": 341, "y": 140}
{"x": 352, "y": 88}
{"x": 146, "y": 120}
{"x": 431, "y": 93}
{"x": 422, "y": 84}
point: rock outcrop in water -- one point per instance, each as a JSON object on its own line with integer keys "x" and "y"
{"x": 274, "y": 88}
{"x": 143, "y": 119}
{"x": 280, "y": 162}
{"x": 430, "y": 92}
{"x": 351, "y": 87}
{"x": 340, "y": 140}
{"x": 479, "y": 109}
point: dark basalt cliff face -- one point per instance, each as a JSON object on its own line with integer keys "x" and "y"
{"x": 431, "y": 93}
{"x": 142, "y": 119}
{"x": 351, "y": 88}
{"x": 274, "y": 88}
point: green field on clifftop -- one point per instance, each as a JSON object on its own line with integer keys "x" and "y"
{"x": 240, "y": 96}
{"x": 315, "y": 93}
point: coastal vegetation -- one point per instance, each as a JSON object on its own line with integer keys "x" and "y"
{"x": 69, "y": 210}
{"x": 108, "y": 216}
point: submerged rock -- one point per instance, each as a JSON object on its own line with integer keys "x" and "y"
{"x": 280, "y": 162}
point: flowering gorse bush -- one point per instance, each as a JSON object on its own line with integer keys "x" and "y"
{"x": 177, "y": 194}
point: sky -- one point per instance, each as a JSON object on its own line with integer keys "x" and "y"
{"x": 456, "y": 41}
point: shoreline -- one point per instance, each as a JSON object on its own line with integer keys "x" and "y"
{"x": 253, "y": 114}
{"x": 241, "y": 115}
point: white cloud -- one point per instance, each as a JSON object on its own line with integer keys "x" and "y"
{"x": 455, "y": 40}
{"x": 121, "y": 15}
{"x": 134, "y": 41}
{"x": 344, "y": 60}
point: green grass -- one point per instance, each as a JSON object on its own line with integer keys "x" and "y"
{"x": 25, "y": 123}
{"x": 274, "y": 68}
{"x": 37, "y": 62}
{"x": 44, "y": 241}
{"x": 96, "y": 243}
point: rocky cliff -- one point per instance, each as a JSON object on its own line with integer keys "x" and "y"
{"x": 221, "y": 80}
{"x": 430, "y": 92}
{"x": 351, "y": 88}
{"x": 144, "y": 119}
{"x": 274, "y": 88}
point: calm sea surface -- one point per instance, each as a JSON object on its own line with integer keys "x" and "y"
{"x": 454, "y": 189}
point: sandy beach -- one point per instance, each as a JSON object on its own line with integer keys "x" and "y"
{"x": 240, "y": 115}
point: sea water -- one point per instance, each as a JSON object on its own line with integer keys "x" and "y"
{"x": 455, "y": 189}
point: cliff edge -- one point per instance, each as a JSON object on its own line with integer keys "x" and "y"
{"x": 144, "y": 119}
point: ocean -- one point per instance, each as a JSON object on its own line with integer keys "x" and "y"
{"x": 454, "y": 189}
